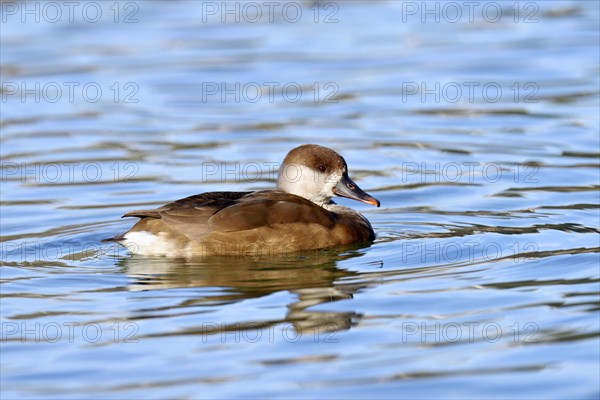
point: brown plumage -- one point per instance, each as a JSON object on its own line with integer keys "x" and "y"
{"x": 261, "y": 222}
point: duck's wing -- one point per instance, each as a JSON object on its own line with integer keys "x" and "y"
{"x": 268, "y": 208}
{"x": 184, "y": 217}
{"x": 199, "y": 215}
{"x": 210, "y": 200}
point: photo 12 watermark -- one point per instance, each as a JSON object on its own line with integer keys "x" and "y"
{"x": 271, "y": 92}
{"x": 250, "y": 172}
{"x": 71, "y": 12}
{"x": 31, "y": 251}
{"x": 449, "y": 252}
{"x": 452, "y": 12}
{"x": 53, "y": 332}
{"x": 467, "y": 332}
{"x": 470, "y": 92}
{"x": 69, "y": 92}
{"x": 255, "y": 332}
{"x": 68, "y": 172}
{"x": 467, "y": 172}
{"x": 252, "y": 12}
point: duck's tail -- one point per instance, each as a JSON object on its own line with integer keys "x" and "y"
{"x": 117, "y": 238}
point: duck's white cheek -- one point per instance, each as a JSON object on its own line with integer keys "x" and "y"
{"x": 330, "y": 182}
{"x": 300, "y": 180}
{"x": 309, "y": 179}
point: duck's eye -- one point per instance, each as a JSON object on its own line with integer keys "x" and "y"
{"x": 322, "y": 168}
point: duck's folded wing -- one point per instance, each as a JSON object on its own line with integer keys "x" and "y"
{"x": 269, "y": 208}
{"x": 200, "y": 215}
{"x": 188, "y": 216}
{"x": 210, "y": 200}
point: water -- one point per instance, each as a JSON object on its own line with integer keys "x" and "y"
{"x": 479, "y": 137}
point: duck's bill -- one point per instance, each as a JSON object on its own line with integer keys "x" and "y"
{"x": 347, "y": 188}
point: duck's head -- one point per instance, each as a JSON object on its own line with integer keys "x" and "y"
{"x": 317, "y": 174}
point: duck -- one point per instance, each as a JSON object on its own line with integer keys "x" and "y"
{"x": 299, "y": 215}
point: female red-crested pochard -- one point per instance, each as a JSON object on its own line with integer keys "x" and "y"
{"x": 299, "y": 215}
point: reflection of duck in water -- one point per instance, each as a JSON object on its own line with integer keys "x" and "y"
{"x": 312, "y": 277}
{"x": 299, "y": 215}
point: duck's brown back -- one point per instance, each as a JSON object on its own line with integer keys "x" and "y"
{"x": 237, "y": 222}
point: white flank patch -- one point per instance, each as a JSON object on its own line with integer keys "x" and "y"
{"x": 147, "y": 244}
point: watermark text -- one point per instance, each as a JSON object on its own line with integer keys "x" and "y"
{"x": 52, "y": 332}
{"x": 70, "y": 92}
{"x": 68, "y": 172}
{"x": 53, "y": 12}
